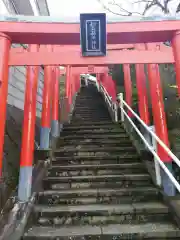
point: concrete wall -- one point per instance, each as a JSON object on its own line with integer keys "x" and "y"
{"x": 16, "y": 88}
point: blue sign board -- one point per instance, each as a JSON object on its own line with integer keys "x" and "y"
{"x": 93, "y": 34}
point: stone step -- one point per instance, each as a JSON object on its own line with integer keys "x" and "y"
{"x": 96, "y": 142}
{"x": 91, "y": 123}
{"x": 91, "y": 148}
{"x": 151, "y": 231}
{"x": 120, "y": 136}
{"x": 100, "y": 214}
{"x": 85, "y": 101}
{"x": 90, "y": 115}
{"x": 106, "y": 124}
{"x": 93, "y": 127}
{"x": 85, "y": 170}
{"x": 93, "y": 131}
{"x": 91, "y": 109}
{"x": 94, "y": 152}
{"x": 99, "y": 196}
{"x": 81, "y": 119}
{"x": 115, "y": 159}
{"x": 100, "y": 108}
{"x": 90, "y": 100}
{"x": 90, "y": 104}
{"x": 102, "y": 181}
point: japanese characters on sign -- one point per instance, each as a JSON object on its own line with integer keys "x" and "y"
{"x": 93, "y": 34}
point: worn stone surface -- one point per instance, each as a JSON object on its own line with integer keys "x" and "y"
{"x": 101, "y": 192}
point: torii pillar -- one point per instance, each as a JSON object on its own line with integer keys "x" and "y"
{"x": 176, "y": 51}
{"x": 160, "y": 124}
{"x": 128, "y": 86}
{"x": 5, "y": 45}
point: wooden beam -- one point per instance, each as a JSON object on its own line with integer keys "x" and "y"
{"x": 85, "y": 70}
{"x": 74, "y": 58}
{"x": 69, "y": 33}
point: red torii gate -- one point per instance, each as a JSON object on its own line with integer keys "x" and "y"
{"x": 68, "y": 34}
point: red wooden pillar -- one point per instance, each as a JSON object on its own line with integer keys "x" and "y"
{"x": 27, "y": 148}
{"x": 128, "y": 86}
{"x": 55, "y": 103}
{"x": 160, "y": 124}
{"x": 5, "y": 44}
{"x": 46, "y": 107}
{"x": 158, "y": 109}
{"x": 67, "y": 88}
{"x": 141, "y": 90}
{"x": 70, "y": 87}
{"x": 176, "y": 51}
{"x": 77, "y": 82}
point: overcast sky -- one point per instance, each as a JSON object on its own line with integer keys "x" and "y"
{"x": 72, "y": 8}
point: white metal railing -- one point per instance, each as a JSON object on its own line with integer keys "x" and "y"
{"x": 152, "y": 148}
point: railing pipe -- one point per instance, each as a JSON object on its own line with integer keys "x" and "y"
{"x": 173, "y": 180}
{"x": 176, "y": 160}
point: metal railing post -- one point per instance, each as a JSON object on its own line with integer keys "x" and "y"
{"x": 115, "y": 112}
{"x": 120, "y": 97}
{"x": 156, "y": 164}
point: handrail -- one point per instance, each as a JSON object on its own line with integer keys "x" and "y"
{"x": 174, "y": 181}
{"x": 107, "y": 94}
{"x": 171, "y": 154}
{"x": 122, "y": 103}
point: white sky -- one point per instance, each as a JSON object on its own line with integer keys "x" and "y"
{"x": 72, "y": 8}
{"x": 60, "y": 8}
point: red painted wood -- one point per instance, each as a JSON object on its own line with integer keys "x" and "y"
{"x": 27, "y": 147}
{"x": 5, "y": 44}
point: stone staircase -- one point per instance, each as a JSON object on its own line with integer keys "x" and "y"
{"x": 97, "y": 187}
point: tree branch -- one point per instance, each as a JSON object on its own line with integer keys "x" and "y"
{"x": 163, "y": 5}
{"x": 123, "y": 9}
{"x": 109, "y": 10}
{"x": 126, "y": 14}
{"x": 178, "y": 8}
{"x": 148, "y": 6}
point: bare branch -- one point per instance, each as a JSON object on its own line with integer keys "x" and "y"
{"x": 147, "y": 4}
{"x": 178, "y": 8}
{"x": 123, "y": 9}
{"x": 109, "y": 10}
{"x": 124, "y": 12}
{"x": 142, "y": 1}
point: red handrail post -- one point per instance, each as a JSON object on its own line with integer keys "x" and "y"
{"x": 28, "y": 135}
{"x": 5, "y": 44}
